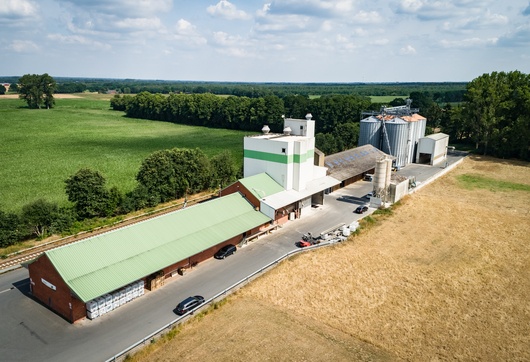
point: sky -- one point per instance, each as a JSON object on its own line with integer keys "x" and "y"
{"x": 265, "y": 41}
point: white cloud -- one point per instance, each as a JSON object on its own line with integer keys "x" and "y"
{"x": 78, "y": 40}
{"x": 139, "y": 23}
{"x": 433, "y": 10}
{"x": 520, "y": 37}
{"x": 187, "y": 33}
{"x": 468, "y": 43}
{"x": 367, "y": 17}
{"x": 407, "y": 50}
{"x": 227, "y": 10}
{"x": 313, "y": 8}
{"x": 482, "y": 21}
{"x": 17, "y": 8}
{"x": 122, "y": 8}
{"x": 23, "y": 46}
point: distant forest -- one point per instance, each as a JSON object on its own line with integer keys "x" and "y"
{"x": 442, "y": 92}
{"x": 490, "y": 112}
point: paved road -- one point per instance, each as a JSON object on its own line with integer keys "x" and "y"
{"x": 31, "y": 332}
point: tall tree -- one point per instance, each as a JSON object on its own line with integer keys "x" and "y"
{"x": 39, "y": 216}
{"x": 223, "y": 169}
{"x": 86, "y": 189}
{"x": 37, "y": 90}
{"x": 10, "y": 229}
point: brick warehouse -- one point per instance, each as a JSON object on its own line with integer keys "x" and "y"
{"x": 68, "y": 278}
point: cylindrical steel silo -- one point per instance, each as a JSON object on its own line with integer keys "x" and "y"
{"x": 370, "y": 132}
{"x": 397, "y": 133}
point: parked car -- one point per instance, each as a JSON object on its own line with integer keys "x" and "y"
{"x": 368, "y": 195}
{"x": 361, "y": 209}
{"x": 225, "y": 251}
{"x": 188, "y": 304}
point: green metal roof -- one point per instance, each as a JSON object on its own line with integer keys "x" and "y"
{"x": 261, "y": 185}
{"x": 109, "y": 261}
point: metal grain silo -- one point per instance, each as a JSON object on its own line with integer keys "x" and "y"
{"x": 397, "y": 132}
{"x": 370, "y": 132}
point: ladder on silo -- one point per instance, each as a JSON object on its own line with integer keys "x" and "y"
{"x": 386, "y": 134}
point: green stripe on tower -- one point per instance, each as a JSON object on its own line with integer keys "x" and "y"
{"x": 278, "y": 158}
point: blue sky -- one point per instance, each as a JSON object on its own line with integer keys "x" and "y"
{"x": 265, "y": 41}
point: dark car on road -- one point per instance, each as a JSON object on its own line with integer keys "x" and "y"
{"x": 225, "y": 251}
{"x": 188, "y": 304}
{"x": 361, "y": 209}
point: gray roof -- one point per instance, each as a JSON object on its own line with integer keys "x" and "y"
{"x": 355, "y": 161}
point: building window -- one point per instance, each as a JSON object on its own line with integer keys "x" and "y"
{"x": 283, "y": 150}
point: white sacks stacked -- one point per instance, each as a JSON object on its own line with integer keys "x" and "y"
{"x": 108, "y": 302}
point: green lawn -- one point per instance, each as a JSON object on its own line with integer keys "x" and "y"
{"x": 39, "y": 149}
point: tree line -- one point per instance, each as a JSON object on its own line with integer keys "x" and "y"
{"x": 163, "y": 176}
{"x": 336, "y": 115}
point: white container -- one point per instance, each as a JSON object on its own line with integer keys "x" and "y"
{"x": 128, "y": 293}
{"x": 116, "y": 304}
{"x": 123, "y": 300}
{"x": 101, "y": 302}
{"x": 346, "y": 232}
{"x": 92, "y": 305}
{"x": 134, "y": 287}
{"x": 115, "y": 297}
{"x": 92, "y": 314}
{"x": 141, "y": 284}
{"x": 108, "y": 299}
{"x": 103, "y": 310}
{"x": 141, "y": 290}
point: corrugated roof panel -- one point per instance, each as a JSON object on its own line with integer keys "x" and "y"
{"x": 261, "y": 185}
{"x": 106, "y": 262}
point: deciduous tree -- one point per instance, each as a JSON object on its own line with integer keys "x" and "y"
{"x": 86, "y": 189}
{"x": 37, "y": 90}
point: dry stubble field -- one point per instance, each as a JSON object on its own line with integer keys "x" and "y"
{"x": 446, "y": 277}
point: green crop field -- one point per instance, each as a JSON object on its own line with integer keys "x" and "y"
{"x": 385, "y": 99}
{"x": 39, "y": 149}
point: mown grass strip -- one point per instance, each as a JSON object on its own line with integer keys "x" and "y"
{"x": 470, "y": 182}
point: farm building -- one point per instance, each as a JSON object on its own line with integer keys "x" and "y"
{"x": 98, "y": 274}
{"x": 394, "y": 130}
{"x": 432, "y": 149}
{"x": 289, "y": 160}
{"x": 351, "y": 165}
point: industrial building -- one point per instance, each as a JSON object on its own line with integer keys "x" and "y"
{"x": 433, "y": 148}
{"x": 288, "y": 159}
{"x": 101, "y": 273}
{"x": 394, "y": 130}
{"x": 285, "y": 175}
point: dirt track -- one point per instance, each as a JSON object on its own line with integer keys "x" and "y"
{"x": 444, "y": 278}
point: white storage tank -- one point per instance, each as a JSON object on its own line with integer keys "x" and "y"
{"x": 123, "y": 296}
{"x": 128, "y": 293}
{"x": 354, "y": 225}
{"x": 115, "y": 300}
{"x": 370, "y": 132}
{"x": 381, "y": 179}
{"x": 397, "y": 133}
{"x": 101, "y": 302}
{"x": 346, "y": 231}
{"x": 134, "y": 287}
{"x": 92, "y": 305}
{"x": 102, "y": 309}
{"x": 92, "y": 314}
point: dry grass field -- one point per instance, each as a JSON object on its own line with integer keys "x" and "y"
{"x": 445, "y": 277}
